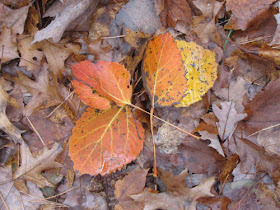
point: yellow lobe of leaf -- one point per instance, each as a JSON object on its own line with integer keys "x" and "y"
{"x": 201, "y": 71}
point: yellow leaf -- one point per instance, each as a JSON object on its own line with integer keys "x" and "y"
{"x": 201, "y": 71}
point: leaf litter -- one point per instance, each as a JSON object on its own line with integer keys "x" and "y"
{"x": 209, "y": 68}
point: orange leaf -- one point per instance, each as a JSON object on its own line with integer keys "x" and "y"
{"x": 101, "y": 83}
{"x": 104, "y": 141}
{"x": 163, "y": 71}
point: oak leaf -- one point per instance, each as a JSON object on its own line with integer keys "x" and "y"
{"x": 5, "y": 123}
{"x": 163, "y": 71}
{"x": 104, "y": 141}
{"x": 177, "y": 192}
{"x": 101, "y": 83}
{"x": 201, "y": 71}
{"x": 8, "y": 51}
{"x": 31, "y": 167}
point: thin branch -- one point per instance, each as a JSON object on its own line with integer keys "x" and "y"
{"x": 36, "y": 132}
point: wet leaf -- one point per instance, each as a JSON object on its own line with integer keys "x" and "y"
{"x": 101, "y": 83}
{"x": 163, "y": 71}
{"x": 104, "y": 141}
{"x": 201, "y": 71}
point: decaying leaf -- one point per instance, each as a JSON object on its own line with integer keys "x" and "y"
{"x": 177, "y": 192}
{"x": 276, "y": 38}
{"x": 5, "y": 123}
{"x": 163, "y": 72}
{"x": 100, "y": 83}
{"x": 8, "y": 49}
{"x": 131, "y": 184}
{"x": 201, "y": 71}
{"x": 104, "y": 141}
{"x": 228, "y": 118}
{"x": 31, "y": 167}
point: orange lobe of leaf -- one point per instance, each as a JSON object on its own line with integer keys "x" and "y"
{"x": 104, "y": 141}
{"x": 163, "y": 71}
{"x": 97, "y": 84}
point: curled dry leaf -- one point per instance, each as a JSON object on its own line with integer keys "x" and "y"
{"x": 101, "y": 83}
{"x": 163, "y": 72}
{"x": 104, "y": 141}
{"x": 215, "y": 143}
{"x": 201, "y": 71}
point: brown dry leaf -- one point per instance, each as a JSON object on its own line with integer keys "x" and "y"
{"x": 8, "y": 49}
{"x": 228, "y": 118}
{"x": 215, "y": 143}
{"x": 30, "y": 58}
{"x": 245, "y": 11}
{"x": 205, "y": 25}
{"x": 15, "y": 20}
{"x": 5, "y": 124}
{"x": 131, "y": 184}
{"x": 101, "y": 50}
{"x": 276, "y": 38}
{"x": 251, "y": 154}
{"x": 57, "y": 27}
{"x": 177, "y": 192}
{"x": 230, "y": 165}
{"x": 173, "y": 11}
{"x": 101, "y": 20}
{"x": 270, "y": 140}
{"x": 217, "y": 203}
{"x": 263, "y": 110}
{"x": 57, "y": 53}
{"x": 32, "y": 20}
{"x": 13, "y": 197}
{"x": 31, "y": 167}
{"x": 44, "y": 94}
{"x": 133, "y": 37}
{"x": 208, "y": 124}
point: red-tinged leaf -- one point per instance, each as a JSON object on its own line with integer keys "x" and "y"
{"x": 104, "y": 141}
{"x": 102, "y": 82}
{"x": 163, "y": 71}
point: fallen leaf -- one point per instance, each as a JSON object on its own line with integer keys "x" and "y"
{"x": 138, "y": 15}
{"x": 57, "y": 27}
{"x": 173, "y": 11}
{"x": 129, "y": 186}
{"x": 8, "y": 49}
{"x": 230, "y": 165}
{"x": 5, "y": 123}
{"x": 276, "y": 38}
{"x": 15, "y": 20}
{"x": 44, "y": 93}
{"x": 263, "y": 109}
{"x": 163, "y": 72}
{"x": 30, "y": 58}
{"x": 32, "y": 20}
{"x": 201, "y": 71}
{"x": 177, "y": 192}
{"x": 243, "y": 12}
{"x": 31, "y": 167}
{"x": 215, "y": 143}
{"x": 228, "y": 118}
{"x": 101, "y": 50}
{"x": 100, "y": 83}
{"x": 16, "y": 199}
{"x": 101, "y": 20}
{"x": 216, "y": 203}
{"x": 57, "y": 53}
{"x": 205, "y": 25}
{"x": 251, "y": 154}
{"x": 104, "y": 141}
{"x": 208, "y": 124}
{"x": 269, "y": 140}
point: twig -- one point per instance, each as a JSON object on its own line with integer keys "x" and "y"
{"x": 36, "y": 132}
{"x": 3, "y": 200}
{"x": 273, "y": 126}
{"x": 112, "y": 37}
{"x": 60, "y": 104}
